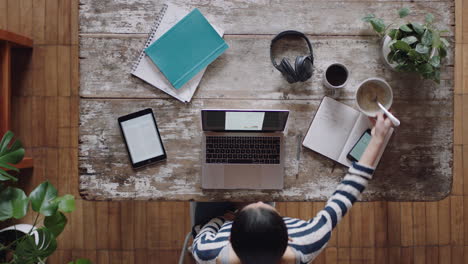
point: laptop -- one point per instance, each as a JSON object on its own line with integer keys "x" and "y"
{"x": 243, "y": 149}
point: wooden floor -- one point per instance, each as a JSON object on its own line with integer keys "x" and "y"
{"x": 46, "y": 119}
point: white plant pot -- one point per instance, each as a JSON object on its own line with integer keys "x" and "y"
{"x": 23, "y": 228}
{"x": 386, "y": 50}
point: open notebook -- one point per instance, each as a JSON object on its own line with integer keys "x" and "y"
{"x": 335, "y": 129}
{"x": 145, "y": 69}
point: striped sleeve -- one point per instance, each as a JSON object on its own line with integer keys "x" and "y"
{"x": 210, "y": 240}
{"x": 310, "y": 237}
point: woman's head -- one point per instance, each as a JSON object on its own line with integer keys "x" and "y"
{"x": 259, "y": 235}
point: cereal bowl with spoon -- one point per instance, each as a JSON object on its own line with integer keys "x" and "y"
{"x": 374, "y": 95}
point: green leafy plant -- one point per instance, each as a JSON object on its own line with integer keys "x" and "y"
{"x": 412, "y": 45}
{"x": 80, "y": 261}
{"x": 9, "y": 154}
{"x": 36, "y": 245}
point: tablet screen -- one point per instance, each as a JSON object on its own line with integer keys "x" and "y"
{"x": 142, "y": 138}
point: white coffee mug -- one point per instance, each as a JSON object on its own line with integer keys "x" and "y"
{"x": 335, "y": 87}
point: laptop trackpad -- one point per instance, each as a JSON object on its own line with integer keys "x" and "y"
{"x": 245, "y": 177}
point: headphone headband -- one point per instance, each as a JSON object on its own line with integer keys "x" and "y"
{"x": 290, "y": 33}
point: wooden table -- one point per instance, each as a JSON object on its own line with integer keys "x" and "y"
{"x": 417, "y": 164}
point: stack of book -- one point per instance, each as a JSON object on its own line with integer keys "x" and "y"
{"x": 180, "y": 46}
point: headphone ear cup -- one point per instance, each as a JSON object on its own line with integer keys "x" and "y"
{"x": 288, "y": 70}
{"x": 298, "y": 68}
{"x": 303, "y": 68}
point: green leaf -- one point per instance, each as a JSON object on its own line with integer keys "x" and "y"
{"x": 13, "y": 203}
{"x": 404, "y": 68}
{"x": 435, "y": 39}
{"x": 429, "y": 18}
{"x": 390, "y": 56}
{"x": 81, "y": 261}
{"x": 417, "y": 58}
{"x": 10, "y": 153}
{"x": 392, "y": 33}
{"x": 425, "y": 68}
{"x": 43, "y": 199}
{"x": 442, "y": 52}
{"x": 28, "y": 252}
{"x": 399, "y": 34}
{"x": 368, "y": 17}
{"x": 55, "y": 223}
{"x": 8, "y": 167}
{"x": 426, "y": 39}
{"x": 378, "y": 25}
{"x": 405, "y": 28}
{"x": 403, "y": 12}
{"x": 12, "y": 157}
{"x": 445, "y": 42}
{"x": 399, "y": 57}
{"x": 401, "y": 45}
{"x": 66, "y": 203}
{"x": 437, "y": 76}
{"x": 435, "y": 61}
{"x": 390, "y": 44}
{"x": 5, "y": 176}
{"x": 5, "y": 141}
{"x": 418, "y": 28}
{"x": 414, "y": 55}
{"x": 394, "y": 56}
{"x": 410, "y": 39}
{"x": 422, "y": 49}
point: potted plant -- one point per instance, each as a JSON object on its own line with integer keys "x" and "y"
{"x": 412, "y": 47}
{"x": 28, "y": 244}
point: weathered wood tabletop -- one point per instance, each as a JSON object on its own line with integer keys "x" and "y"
{"x": 417, "y": 164}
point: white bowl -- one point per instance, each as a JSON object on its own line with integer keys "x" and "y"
{"x": 381, "y": 83}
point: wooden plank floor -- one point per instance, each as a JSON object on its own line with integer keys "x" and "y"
{"x": 45, "y": 106}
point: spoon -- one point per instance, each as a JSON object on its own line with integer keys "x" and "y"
{"x": 392, "y": 118}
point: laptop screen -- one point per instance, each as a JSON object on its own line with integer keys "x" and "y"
{"x": 244, "y": 120}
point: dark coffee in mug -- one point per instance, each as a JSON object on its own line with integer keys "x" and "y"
{"x": 336, "y": 75}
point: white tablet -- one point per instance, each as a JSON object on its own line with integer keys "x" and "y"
{"x": 141, "y": 135}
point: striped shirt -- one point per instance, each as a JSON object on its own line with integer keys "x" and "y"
{"x": 308, "y": 238}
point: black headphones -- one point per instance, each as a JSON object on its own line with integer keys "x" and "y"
{"x": 304, "y": 64}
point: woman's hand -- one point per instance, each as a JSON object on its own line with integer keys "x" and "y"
{"x": 381, "y": 127}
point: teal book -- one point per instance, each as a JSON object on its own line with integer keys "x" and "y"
{"x": 187, "y": 48}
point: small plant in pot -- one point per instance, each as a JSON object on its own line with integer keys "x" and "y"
{"x": 24, "y": 243}
{"x": 412, "y": 47}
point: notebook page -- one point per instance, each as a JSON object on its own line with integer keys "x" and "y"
{"x": 362, "y": 124}
{"x": 148, "y": 72}
{"x": 330, "y": 128}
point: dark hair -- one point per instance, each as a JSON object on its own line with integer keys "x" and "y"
{"x": 259, "y": 236}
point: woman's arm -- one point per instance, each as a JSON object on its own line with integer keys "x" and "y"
{"x": 310, "y": 238}
{"x": 210, "y": 240}
{"x": 379, "y": 132}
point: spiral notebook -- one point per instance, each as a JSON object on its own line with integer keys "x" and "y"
{"x": 146, "y": 70}
{"x": 187, "y": 48}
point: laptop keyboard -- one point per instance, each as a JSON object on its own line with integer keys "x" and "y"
{"x": 244, "y": 150}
